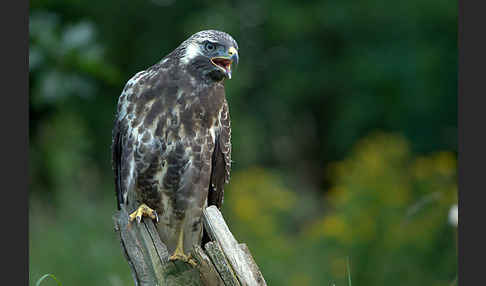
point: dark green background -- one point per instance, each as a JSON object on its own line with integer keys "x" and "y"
{"x": 344, "y": 115}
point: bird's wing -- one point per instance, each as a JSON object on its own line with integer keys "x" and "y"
{"x": 116, "y": 161}
{"x": 122, "y": 142}
{"x": 221, "y": 160}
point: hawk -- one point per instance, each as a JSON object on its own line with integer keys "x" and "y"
{"x": 171, "y": 139}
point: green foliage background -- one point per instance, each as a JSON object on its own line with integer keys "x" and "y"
{"x": 344, "y": 120}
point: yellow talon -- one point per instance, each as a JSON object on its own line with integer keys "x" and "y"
{"x": 179, "y": 252}
{"x": 179, "y": 255}
{"x": 142, "y": 210}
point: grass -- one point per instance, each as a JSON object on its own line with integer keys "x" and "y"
{"x": 76, "y": 241}
{"x": 348, "y": 271}
{"x": 45, "y": 277}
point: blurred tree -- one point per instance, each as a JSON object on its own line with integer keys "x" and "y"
{"x": 388, "y": 211}
{"x": 314, "y": 77}
{"x": 66, "y": 72}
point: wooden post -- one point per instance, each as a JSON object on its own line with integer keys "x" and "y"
{"x": 222, "y": 262}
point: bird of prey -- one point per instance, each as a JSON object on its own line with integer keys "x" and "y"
{"x": 171, "y": 139}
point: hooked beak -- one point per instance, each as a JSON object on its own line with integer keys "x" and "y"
{"x": 225, "y": 61}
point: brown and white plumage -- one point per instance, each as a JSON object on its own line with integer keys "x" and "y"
{"x": 171, "y": 139}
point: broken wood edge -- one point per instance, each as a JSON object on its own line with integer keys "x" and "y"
{"x": 136, "y": 253}
{"x": 218, "y": 231}
{"x": 223, "y": 261}
{"x": 209, "y": 274}
{"x": 253, "y": 265}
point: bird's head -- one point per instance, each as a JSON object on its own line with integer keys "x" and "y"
{"x": 211, "y": 54}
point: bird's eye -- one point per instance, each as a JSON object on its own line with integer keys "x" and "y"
{"x": 210, "y": 46}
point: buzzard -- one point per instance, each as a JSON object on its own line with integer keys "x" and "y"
{"x": 171, "y": 139}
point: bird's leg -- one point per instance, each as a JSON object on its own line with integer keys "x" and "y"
{"x": 179, "y": 251}
{"x": 142, "y": 210}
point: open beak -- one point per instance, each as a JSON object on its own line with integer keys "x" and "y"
{"x": 226, "y": 60}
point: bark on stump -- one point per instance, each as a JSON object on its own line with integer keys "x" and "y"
{"x": 223, "y": 261}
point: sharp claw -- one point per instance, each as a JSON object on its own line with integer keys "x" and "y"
{"x": 143, "y": 210}
{"x": 156, "y": 216}
{"x": 192, "y": 262}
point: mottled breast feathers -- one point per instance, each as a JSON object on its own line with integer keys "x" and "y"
{"x": 166, "y": 123}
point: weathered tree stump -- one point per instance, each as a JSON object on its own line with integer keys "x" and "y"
{"x": 223, "y": 261}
